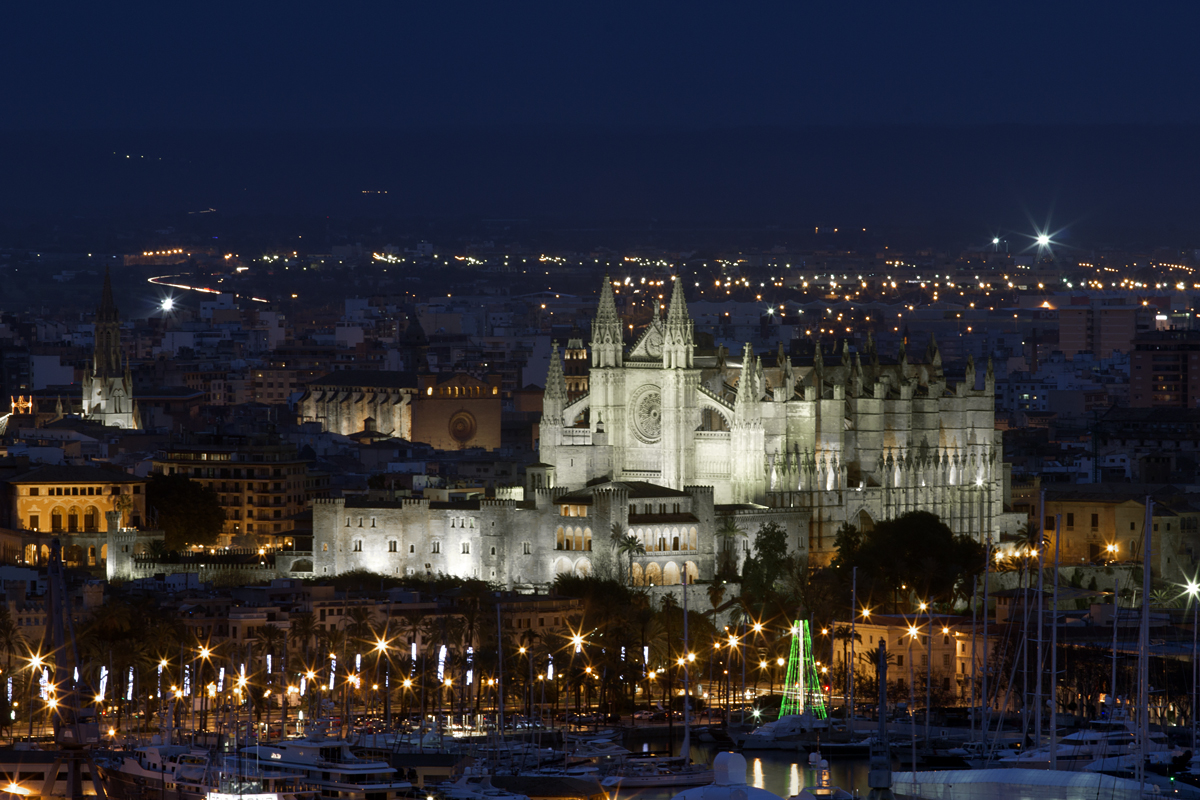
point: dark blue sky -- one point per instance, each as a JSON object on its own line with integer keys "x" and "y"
{"x": 624, "y": 65}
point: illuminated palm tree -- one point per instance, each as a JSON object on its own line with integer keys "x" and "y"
{"x": 627, "y": 545}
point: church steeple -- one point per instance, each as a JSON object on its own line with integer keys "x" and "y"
{"x": 106, "y": 359}
{"x": 608, "y": 343}
{"x": 108, "y": 391}
{"x": 678, "y": 341}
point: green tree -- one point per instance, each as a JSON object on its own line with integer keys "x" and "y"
{"x": 915, "y": 554}
{"x": 767, "y": 563}
{"x": 188, "y": 513}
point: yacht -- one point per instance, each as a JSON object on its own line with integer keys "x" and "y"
{"x": 1103, "y": 739}
{"x": 789, "y": 732}
{"x": 660, "y": 773}
{"x": 180, "y": 772}
{"x": 24, "y": 769}
{"x": 332, "y": 768}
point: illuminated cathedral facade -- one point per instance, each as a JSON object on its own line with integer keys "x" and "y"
{"x": 108, "y": 385}
{"x": 668, "y": 440}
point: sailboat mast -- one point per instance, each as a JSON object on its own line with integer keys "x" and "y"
{"x": 850, "y": 670}
{"x": 987, "y": 706}
{"x": 1054, "y": 649}
{"x": 1037, "y": 668}
{"x": 500, "y": 671}
{"x": 1112, "y": 685}
{"x": 1144, "y": 648}
{"x": 685, "y": 748}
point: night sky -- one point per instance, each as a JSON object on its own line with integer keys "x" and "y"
{"x": 607, "y": 108}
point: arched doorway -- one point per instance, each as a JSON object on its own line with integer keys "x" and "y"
{"x": 692, "y": 571}
{"x": 636, "y": 576}
{"x": 653, "y": 575}
{"x": 671, "y": 574}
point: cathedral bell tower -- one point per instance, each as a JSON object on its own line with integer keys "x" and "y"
{"x": 108, "y": 388}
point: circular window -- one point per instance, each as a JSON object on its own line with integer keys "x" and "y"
{"x": 647, "y": 414}
{"x": 462, "y": 427}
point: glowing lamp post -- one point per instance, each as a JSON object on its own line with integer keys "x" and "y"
{"x": 1193, "y": 592}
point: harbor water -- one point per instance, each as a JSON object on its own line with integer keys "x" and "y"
{"x": 782, "y": 772}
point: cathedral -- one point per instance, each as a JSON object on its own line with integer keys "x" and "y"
{"x": 854, "y": 440}
{"x": 665, "y": 441}
{"x": 108, "y": 387}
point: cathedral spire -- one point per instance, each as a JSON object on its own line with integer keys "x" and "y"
{"x": 678, "y": 313}
{"x": 607, "y": 337}
{"x": 745, "y": 388}
{"x": 678, "y": 341}
{"x": 554, "y": 400}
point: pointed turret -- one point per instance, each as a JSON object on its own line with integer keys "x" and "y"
{"x": 932, "y": 354}
{"x": 607, "y": 336}
{"x": 554, "y": 399}
{"x": 745, "y": 388}
{"x": 678, "y": 340}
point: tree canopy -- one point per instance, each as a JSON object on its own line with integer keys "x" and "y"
{"x": 188, "y": 512}
{"x": 913, "y": 555}
{"x": 768, "y": 563}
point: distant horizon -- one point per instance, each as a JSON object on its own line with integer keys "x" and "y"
{"x": 1115, "y": 184}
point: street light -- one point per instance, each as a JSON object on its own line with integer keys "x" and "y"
{"x": 35, "y": 664}
{"x": 1193, "y": 592}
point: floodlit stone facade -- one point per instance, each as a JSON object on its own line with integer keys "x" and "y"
{"x": 668, "y": 440}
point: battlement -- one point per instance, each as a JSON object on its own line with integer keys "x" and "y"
{"x": 698, "y": 490}
{"x": 330, "y": 501}
{"x": 498, "y": 503}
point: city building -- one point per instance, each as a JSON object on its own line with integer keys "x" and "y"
{"x": 907, "y": 639}
{"x": 451, "y": 413}
{"x": 259, "y": 481}
{"x": 1101, "y": 327}
{"x": 1164, "y": 370}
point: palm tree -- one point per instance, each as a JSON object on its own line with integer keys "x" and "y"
{"x": 843, "y": 632}
{"x": 728, "y": 532}
{"x": 627, "y": 545}
{"x": 716, "y": 594}
{"x": 304, "y": 630}
{"x": 11, "y": 638}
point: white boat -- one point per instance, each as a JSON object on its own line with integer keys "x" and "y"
{"x": 661, "y": 773}
{"x": 481, "y": 788}
{"x": 1101, "y": 740}
{"x": 180, "y": 772}
{"x": 822, "y": 789}
{"x": 728, "y": 783}
{"x": 330, "y": 766}
{"x": 1017, "y": 784}
{"x": 785, "y": 733}
{"x": 24, "y": 769}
